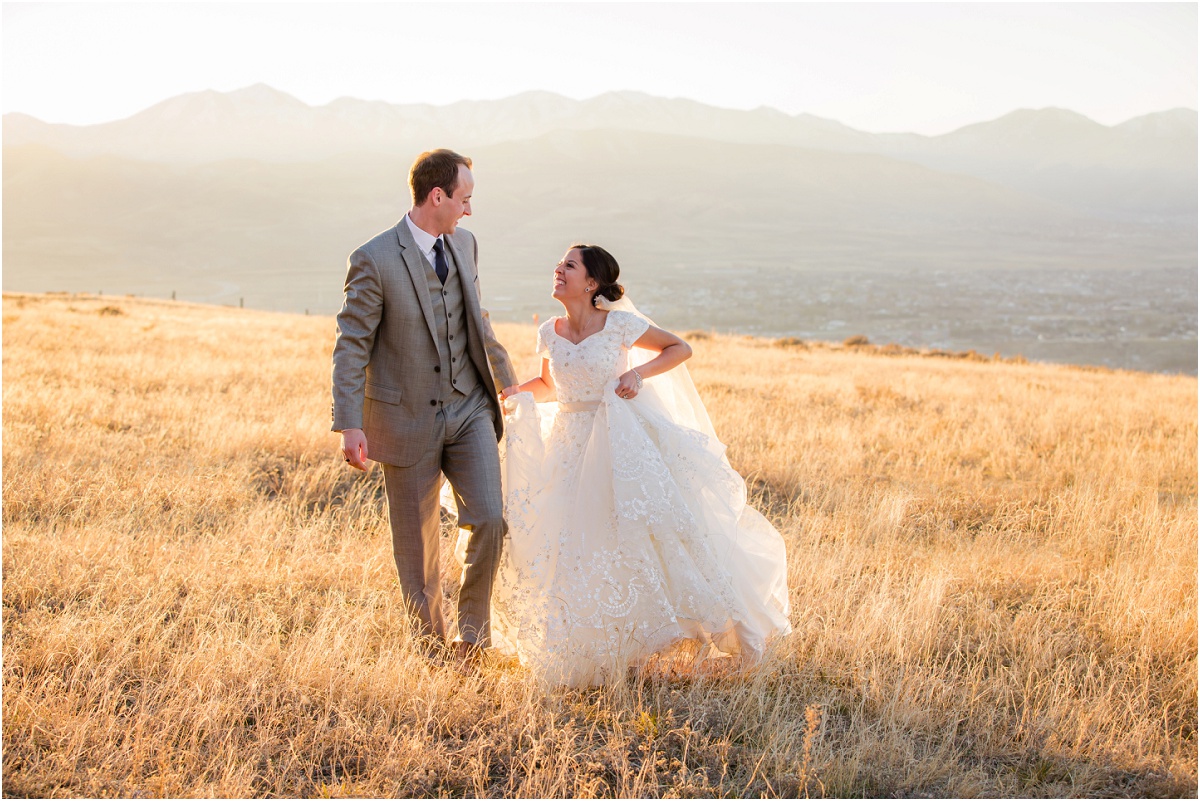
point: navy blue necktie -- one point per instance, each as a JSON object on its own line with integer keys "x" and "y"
{"x": 439, "y": 261}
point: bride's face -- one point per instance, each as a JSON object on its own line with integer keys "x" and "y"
{"x": 571, "y": 279}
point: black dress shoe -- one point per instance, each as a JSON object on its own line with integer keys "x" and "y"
{"x": 467, "y": 655}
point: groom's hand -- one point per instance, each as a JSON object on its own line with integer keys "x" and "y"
{"x": 354, "y": 448}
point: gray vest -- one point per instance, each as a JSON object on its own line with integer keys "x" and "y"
{"x": 459, "y": 376}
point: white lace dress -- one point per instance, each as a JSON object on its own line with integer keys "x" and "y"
{"x": 629, "y": 531}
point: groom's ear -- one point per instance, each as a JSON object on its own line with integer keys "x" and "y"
{"x": 429, "y": 199}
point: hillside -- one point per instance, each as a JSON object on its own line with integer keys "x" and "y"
{"x": 992, "y": 569}
{"x": 255, "y": 222}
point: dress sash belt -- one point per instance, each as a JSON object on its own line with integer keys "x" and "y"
{"x": 579, "y": 406}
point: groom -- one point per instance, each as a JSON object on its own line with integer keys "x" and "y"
{"x": 416, "y": 371}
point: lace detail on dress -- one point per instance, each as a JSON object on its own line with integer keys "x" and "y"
{"x": 581, "y": 370}
{"x": 544, "y": 332}
{"x": 632, "y": 328}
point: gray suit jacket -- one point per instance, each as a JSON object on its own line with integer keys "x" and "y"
{"x": 384, "y": 357}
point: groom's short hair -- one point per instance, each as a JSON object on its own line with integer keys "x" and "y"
{"x": 432, "y": 169}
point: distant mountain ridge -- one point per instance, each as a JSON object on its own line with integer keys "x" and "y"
{"x": 531, "y": 113}
{"x": 1142, "y": 168}
{"x": 1041, "y": 232}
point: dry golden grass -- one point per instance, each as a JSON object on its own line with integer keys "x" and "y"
{"x": 992, "y": 566}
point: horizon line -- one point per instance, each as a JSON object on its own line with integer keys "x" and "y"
{"x": 638, "y": 92}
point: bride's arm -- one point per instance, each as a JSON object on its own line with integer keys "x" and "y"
{"x": 541, "y": 386}
{"x": 672, "y": 352}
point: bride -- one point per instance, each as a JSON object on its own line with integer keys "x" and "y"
{"x": 629, "y": 532}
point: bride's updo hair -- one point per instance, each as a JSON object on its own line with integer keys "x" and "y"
{"x": 603, "y": 269}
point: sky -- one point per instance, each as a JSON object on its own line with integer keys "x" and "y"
{"x": 922, "y": 67}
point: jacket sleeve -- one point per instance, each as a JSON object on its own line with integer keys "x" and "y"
{"x": 358, "y": 322}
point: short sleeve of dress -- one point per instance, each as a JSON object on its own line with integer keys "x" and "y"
{"x": 632, "y": 327}
{"x": 543, "y": 338}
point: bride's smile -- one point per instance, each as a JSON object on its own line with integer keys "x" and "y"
{"x": 571, "y": 279}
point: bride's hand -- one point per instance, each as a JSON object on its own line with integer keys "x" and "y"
{"x": 505, "y": 394}
{"x": 629, "y": 385}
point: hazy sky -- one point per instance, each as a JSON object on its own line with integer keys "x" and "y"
{"x": 927, "y": 68}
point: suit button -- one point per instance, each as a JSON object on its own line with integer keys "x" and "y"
{"x": 433, "y": 403}
{"x": 452, "y": 337}
{"x": 448, "y": 316}
{"x": 437, "y": 368}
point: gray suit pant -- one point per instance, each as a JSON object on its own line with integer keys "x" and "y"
{"x": 469, "y": 459}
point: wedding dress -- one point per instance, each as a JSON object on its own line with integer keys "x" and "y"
{"x": 629, "y": 532}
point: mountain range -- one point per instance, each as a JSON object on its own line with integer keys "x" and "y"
{"x": 1145, "y": 167}
{"x": 256, "y": 195}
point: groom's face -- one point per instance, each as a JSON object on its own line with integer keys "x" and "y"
{"x": 451, "y": 209}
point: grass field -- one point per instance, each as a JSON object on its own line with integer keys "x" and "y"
{"x": 992, "y": 567}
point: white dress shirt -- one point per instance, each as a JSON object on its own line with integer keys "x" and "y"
{"x": 425, "y": 242}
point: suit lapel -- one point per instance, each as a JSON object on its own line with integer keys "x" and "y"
{"x": 466, "y": 278}
{"x": 415, "y": 262}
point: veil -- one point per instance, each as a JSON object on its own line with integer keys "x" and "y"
{"x": 673, "y": 392}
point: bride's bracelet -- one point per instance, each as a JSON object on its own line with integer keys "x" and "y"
{"x": 638, "y": 376}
